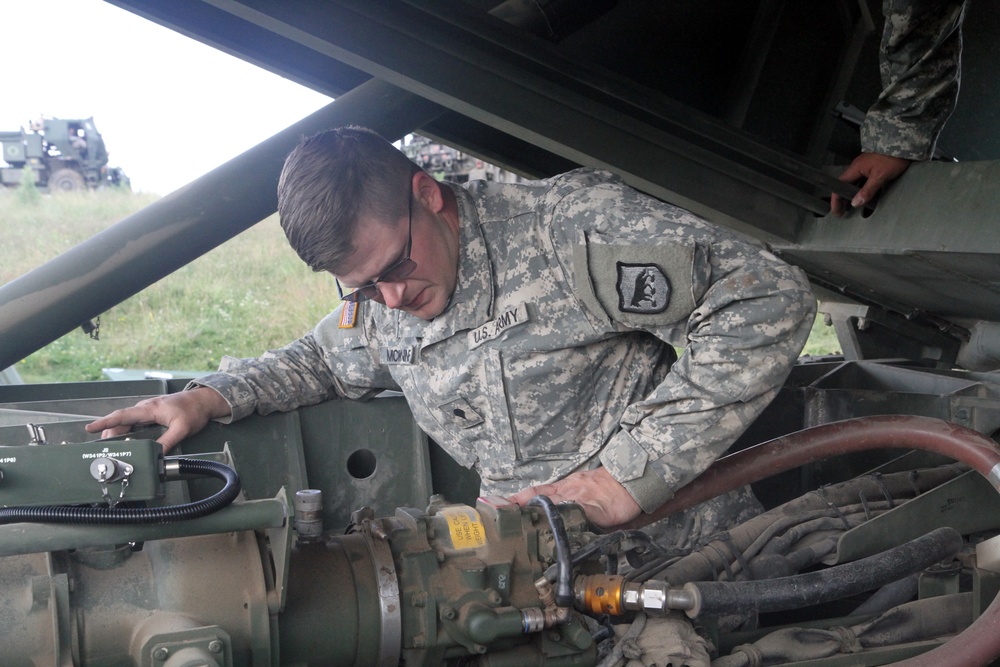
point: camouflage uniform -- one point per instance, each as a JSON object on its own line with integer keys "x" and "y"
{"x": 554, "y": 354}
{"x": 920, "y": 67}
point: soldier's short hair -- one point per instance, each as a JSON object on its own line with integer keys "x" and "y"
{"x": 331, "y": 181}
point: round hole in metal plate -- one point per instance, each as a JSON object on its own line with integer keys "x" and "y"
{"x": 362, "y": 464}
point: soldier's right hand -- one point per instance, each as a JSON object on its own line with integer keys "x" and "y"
{"x": 874, "y": 171}
{"x": 183, "y": 414}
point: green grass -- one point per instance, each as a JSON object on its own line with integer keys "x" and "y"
{"x": 248, "y": 295}
{"x": 822, "y": 341}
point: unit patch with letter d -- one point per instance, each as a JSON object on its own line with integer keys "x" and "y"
{"x": 642, "y": 288}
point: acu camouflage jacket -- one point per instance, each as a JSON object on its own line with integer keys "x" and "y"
{"x": 555, "y": 352}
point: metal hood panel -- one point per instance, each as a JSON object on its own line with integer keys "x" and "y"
{"x": 727, "y": 108}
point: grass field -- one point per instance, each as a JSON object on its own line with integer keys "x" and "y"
{"x": 248, "y": 295}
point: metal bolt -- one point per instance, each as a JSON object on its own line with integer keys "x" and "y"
{"x": 161, "y": 653}
{"x": 378, "y": 531}
{"x": 448, "y": 613}
{"x": 494, "y": 597}
{"x": 215, "y": 646}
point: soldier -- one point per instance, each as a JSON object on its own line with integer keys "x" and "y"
{"x": 507, "y": 315}
{"x": 920, "y": 63}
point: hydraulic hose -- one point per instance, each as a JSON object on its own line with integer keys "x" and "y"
{"x": 979, "y": 644}
{"x": 822, "y": 442}
{"x": 564, "y": 577}
{"x": 604, "y": 542}
{"x": 841, "y": 497}
{"x": 719, "y": 598}
{"x": 138, "y": 515}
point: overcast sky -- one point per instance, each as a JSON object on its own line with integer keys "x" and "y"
{"x": 169, "y": 108}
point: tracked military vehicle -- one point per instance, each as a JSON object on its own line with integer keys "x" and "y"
{"x": 339, "y": 534}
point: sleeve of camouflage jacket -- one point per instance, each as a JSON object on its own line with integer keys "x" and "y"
{"x": 743, "y": 339}
{"x": 920, "y": 65}
{"x": 743, "y": 332}
{"x": 328, "y": 362}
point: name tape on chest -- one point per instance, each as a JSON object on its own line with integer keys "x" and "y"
{"x": 389, "y": 355}
{"x": 507, "y": 320}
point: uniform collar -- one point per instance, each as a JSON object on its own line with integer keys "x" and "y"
{"x": 472, "y": 302}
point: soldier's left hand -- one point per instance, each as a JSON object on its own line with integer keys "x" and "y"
{"x": 605, "y": 502}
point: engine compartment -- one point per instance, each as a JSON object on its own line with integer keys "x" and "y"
{"x": 878, "y": 542}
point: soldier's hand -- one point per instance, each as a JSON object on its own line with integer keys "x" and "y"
{"x": 876, "y": 170}
{"x": 605, "y": 502}
{"x": 184, "y": 414}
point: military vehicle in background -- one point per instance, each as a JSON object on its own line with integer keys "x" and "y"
{"x": 449, "y": 164}
{"x": 62, "y": 156}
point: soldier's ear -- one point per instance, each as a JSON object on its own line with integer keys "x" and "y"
{"x": 427, "y": 191}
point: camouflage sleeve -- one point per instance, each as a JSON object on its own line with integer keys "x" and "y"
{"x": 742, "y": 341}
{"x": 328, "y": 362}
{"x": 920, "y": 64}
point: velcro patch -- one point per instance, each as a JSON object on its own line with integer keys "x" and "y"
{"x": 642, "y": 288}
{"x": 637, "y": 285}
{"x": 395, "y": 355}
{"x": 461, "y": 412}
{"x": 510, "y": 318}
{"x": 348, "y": 315}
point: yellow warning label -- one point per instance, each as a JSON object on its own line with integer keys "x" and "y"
{"x": 465, "y": 526}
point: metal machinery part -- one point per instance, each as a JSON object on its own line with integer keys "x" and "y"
{"x": 456, "y": 584}
{"x": 429, "y": 585}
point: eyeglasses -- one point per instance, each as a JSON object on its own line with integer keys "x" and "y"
{"x": 398, "y": 272}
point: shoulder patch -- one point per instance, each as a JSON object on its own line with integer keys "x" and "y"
{"x": 642, "y": 288}
{"x": 348, "y": 315}
{"x": 636, "y": 284}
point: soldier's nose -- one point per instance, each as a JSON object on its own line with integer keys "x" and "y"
{"x": 392, "y": 293}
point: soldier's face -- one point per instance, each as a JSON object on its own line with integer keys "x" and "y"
{"x": 424, "y": 293}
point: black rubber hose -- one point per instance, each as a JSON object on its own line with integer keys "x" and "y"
{"x": 564, "y": 577}
{"x": 121, "y": 516}
{"x": 603, "y": 542}
{"x": 803, "y": 590}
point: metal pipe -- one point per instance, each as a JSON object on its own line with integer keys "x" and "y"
{"x": 86, "y": 280}
{"x": 25, "y": 538}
